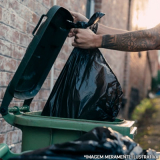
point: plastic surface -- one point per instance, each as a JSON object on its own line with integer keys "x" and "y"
{"x": 5, "y": 152}
{"x": 86, "y": 88}
{"x": 94, "y": 19}
{"x": 99, "y": 141}
{"x": 40, "y": 131}
{"x": 39, "y": 57}
{"x": 42, "y": 53}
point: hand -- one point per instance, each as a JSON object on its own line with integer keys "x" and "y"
{"x": 77, "y": 17}
{"x": 86, "y": 39}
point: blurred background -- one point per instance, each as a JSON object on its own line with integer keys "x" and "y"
{"x": 137, "y": 72}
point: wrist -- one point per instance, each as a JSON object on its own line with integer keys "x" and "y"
{"x": 98, "y": 41}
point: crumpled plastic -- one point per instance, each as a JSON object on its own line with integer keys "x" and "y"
{"x": 87, "y": 88}
{"x": 99, "y": 143}
{"x": 80, "y": 24}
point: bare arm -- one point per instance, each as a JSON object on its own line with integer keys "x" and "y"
{"x": 133, "y": 41}
{"x": 102, "y": 29}
{"x": 107, "y": 30}
{"x": 116, "y": 39}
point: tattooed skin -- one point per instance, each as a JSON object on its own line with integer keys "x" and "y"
{"x": 133, "y": 41}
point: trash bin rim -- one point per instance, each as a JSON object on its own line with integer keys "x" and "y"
{"x": 37, "y": 114}
{"x": 27, "y": 120}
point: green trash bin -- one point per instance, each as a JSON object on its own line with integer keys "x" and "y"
{"x": 40, "y": 131}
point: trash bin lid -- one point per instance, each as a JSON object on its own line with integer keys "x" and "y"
{"x": 48, "y": 39}
{"x": 41, "y": 54}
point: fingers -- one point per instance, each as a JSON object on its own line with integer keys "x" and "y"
{"x": 77, "y": 34}
{"x": 79, "y": 38}
{"x": 79, "y": 45}
{"x": 76, "y": 30}
{"x": 73, "y": 13}
{"x": 74, "y": 44}
{"x": 76, "y": 40}
{"x": 71, "y": 33}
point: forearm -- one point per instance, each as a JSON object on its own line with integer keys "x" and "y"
{"x": 108, "y": 30}
{"x": 133, "y": 41}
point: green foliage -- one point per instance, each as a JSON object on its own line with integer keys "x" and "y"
{"x": 148, "y": 116}
{"x": 144, "y": 105}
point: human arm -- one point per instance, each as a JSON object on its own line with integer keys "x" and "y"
{"x": 129, "y": 41}
{"x": 101, "y": 29}
{"x": 112, "y": 38}
{"x": 148, "y": 39}
{"x": 76, "y": 17}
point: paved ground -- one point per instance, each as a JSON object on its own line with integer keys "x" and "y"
{"x": 148, "y": 135}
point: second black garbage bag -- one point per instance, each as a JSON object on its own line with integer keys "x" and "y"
{"x": 87, "y": 88}
{"x": 99, "y": 143}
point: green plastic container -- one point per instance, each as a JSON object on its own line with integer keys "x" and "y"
{"x": 40, "y": 131}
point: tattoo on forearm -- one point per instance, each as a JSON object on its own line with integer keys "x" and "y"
{"x": 133, "y": 41}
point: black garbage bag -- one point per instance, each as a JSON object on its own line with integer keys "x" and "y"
{"x": 99, "y": 143}
{"x": 87, "y": 87}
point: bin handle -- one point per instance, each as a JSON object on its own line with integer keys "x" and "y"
{"x": 44, "y": 15}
